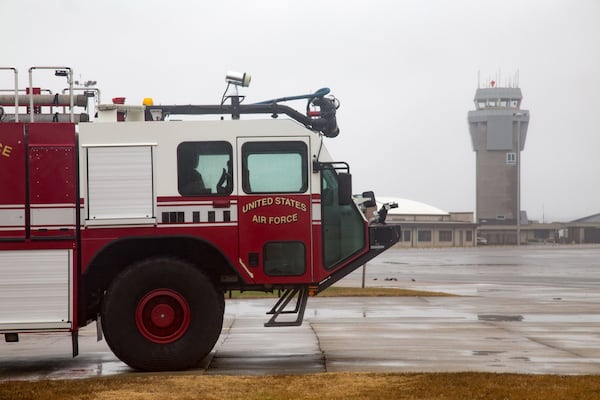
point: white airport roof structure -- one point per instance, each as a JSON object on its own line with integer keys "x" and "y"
{"x": 409, "y": 207}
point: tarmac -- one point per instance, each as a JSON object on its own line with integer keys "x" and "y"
{"x": 529, "y": 309}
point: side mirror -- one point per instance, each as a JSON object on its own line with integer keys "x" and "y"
{"x": 369, "y": 199}
{"x": 344, "y": 189}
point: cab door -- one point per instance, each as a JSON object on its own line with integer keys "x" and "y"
{"x": 274, "y": 209}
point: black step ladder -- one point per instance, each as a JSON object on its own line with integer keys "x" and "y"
{"x": 300, "y": 295}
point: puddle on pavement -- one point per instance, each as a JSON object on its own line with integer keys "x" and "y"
{"x": 500, "y": 318}
{"x": 486, "y": 352}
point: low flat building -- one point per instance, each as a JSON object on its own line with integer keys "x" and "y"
{"x": 424, "y": 225}
{"x": 579, "y": 231}
{"x": 584, "y": 230}
{"x": 531, "y": 232}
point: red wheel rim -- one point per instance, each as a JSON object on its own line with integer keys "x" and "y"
{"x": 162, "y": 316}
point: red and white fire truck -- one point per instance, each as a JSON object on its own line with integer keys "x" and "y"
{"x": 141, "y": 220}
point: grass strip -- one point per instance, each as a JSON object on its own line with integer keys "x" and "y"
{"x": 344, "y": 385}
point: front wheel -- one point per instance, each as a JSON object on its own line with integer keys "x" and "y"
{"x": 162, "y": 314}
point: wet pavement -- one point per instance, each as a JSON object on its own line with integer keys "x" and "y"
{"x": 523, "y": 310}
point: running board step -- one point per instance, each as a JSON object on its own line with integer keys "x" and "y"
{"x": 301, "y": 296}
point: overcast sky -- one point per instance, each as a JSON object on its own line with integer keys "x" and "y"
{"x": 405, "y": 72}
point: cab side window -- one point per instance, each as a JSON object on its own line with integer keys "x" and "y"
{"x": 274, "y": 167}
{"x": 204, "y": 168}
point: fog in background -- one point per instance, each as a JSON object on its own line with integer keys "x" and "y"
{"x": 405, "y": 72}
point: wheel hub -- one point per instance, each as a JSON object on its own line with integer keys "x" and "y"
{"x": 162, "y": 316}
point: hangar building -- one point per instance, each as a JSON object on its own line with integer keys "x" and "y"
{"x": 427, "y": 226}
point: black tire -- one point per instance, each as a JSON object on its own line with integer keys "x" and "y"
{"x": 162, "y": 314}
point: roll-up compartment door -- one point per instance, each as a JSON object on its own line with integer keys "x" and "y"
{"x": 120, "y": 184}
{"x": 35, "y": 289}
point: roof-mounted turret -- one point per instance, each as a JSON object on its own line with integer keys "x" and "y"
{"x": 320, "y": 110}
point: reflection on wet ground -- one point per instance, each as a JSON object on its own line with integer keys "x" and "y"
{"x": 522, "y": 310}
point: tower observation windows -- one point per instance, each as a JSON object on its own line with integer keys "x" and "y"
{"x": 482, "y": 104}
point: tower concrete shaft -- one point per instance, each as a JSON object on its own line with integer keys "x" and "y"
{"x": 498, "y": 128}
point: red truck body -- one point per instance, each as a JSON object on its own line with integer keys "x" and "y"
{"x": 142, "y": 224}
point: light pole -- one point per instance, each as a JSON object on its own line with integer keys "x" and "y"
{"x": 518, "y": 116}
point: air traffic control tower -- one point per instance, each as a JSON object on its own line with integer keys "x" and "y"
{"x": 498, "y": 130}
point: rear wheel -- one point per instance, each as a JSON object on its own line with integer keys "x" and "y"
{"x": 162, "y": 314}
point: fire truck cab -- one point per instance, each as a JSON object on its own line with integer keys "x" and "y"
{"x": 142, "y": 222}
